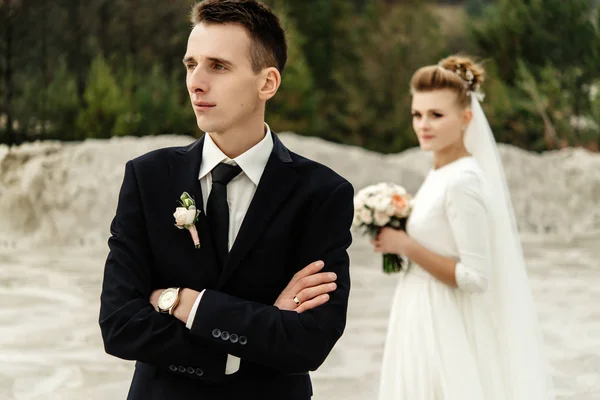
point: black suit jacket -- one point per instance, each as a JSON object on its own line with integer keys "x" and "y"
{"x": 301, "y": 212}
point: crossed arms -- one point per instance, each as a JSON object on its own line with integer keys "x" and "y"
{"x": 279, "y": 338}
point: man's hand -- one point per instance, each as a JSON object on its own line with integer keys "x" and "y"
{"x": 154, "y": 298}
{"x": 309, "y": 287}
{"x": 187, "y": 297}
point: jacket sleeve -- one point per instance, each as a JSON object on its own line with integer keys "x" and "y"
{"x": 131, "y": 328}
{"x": 287, "y": 340}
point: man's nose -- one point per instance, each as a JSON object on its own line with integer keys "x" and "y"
{"x": 198, "y": 82}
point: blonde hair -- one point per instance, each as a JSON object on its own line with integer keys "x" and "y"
{"x": 458, "y": 73}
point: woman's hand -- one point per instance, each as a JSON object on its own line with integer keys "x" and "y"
{"x": 391, "y": 241}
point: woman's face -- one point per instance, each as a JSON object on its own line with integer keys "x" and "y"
{"x": 438, "y": 119}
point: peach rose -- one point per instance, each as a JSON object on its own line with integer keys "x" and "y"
{"x": 400, "y": 203}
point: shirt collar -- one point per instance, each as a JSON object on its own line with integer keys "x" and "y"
{"x": 253, "y": 161}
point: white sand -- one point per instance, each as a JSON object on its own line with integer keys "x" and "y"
{"x": 65, "y": 194}
{"x": 57, "y": 200}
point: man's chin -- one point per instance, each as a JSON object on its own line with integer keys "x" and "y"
{"x": 208, "y": 126}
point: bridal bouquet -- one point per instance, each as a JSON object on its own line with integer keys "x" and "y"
{"x": 380, "y": 205}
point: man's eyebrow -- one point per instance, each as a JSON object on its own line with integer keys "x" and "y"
{"x": 220, "y": 61}
{"x": 189, "y": 59}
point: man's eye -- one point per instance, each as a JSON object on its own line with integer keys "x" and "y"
{"x": 437, "y": 115}
{"x": 219, "y": 67}
{"x": 190, "y": 66}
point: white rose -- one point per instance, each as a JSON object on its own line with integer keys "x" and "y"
{"x": 184, "y": 216}
{"x": 359, "y": 203}
{"x": 391, "y": 209}
{"x": 363, "y": 193}
{"x": 365, "y": 216}
{"x": 381, "y": 186}
{"x": 381, "y": 219}
{"x": 400, "y": 190}
{"x": 370, "y": 201}
{"x": 382, "y": 203}
{"x": 356, "y": 222}
{"x": 368, "y": 191}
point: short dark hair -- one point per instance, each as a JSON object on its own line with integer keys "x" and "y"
{"x": 269, "y": 45}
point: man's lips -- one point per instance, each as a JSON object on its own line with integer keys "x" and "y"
{"x": 203, "y": 104}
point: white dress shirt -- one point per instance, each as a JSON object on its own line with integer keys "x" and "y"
{"x": 240, "y": 192}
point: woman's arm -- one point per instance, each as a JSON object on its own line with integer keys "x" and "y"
{"x": 469, "y": 222}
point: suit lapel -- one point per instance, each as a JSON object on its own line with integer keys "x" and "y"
{"x": 184, "y": 170}
{"x": 276, "y": 184}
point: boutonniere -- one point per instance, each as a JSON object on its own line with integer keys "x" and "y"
{"x": 186, "y": 216}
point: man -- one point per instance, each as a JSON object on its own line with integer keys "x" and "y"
{"x": 238, "y": 317}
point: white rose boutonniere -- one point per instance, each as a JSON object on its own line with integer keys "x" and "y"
{"x": 186, "y": 216}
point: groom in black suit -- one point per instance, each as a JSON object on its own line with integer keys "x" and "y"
{"x": 239, "y": 317}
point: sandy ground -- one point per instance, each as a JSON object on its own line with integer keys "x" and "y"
{"x": 57, "y": 200}
{"x": 50, "y": 345}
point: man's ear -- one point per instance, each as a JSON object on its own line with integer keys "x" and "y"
{"x": 269, "y": 83}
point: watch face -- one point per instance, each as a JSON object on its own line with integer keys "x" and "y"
{"x": 167, "y": 298}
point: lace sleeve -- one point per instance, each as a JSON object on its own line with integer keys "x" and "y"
{"x": 468, "y": 216}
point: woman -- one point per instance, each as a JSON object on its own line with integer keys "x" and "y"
{"x": 463, "y": 324}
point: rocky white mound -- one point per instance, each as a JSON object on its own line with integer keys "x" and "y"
{"x": 57, "y": 194}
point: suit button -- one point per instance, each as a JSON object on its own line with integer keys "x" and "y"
{"x": 181, "y": 368}
{"x": 216, "y": 333}
{"x": 173, "y": 368}
{"x": 190, "y": 370}
{"x": 225, "y": 335}
{"x": 243, "y": 340}
{"x": 199, "y": 372}
{"x": 233, "y": 338}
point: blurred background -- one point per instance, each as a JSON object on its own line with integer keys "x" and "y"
{"x": 72, "y": 70}
{"x": 87, "y": 85}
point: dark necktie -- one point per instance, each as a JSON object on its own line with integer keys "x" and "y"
{"x": 217, "y": 210}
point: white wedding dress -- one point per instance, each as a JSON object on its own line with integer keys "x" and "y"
{"x": 442, "y": 342}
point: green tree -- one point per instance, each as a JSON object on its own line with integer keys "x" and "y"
{"x": 595, "y": 114}
{"x": 538, "y": 32}
{"x": 548, "y": 50}
{"x": 366, "y": 100}
{"x": 389, "y": 59}
{"x": 62, "y": 104}
{"x": 295, "y": 106}
{"x": 342, "y": 102}
{"x": 321, "y": 23}
{"x": 104, "y": 102}
{"x": 155, "y": 103}
{"x": 327, "y": 32}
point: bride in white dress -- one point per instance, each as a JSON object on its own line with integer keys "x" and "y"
{"x": 463, "y": 325}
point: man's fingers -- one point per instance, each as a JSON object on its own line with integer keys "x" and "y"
{"x": 310, "y": 269}
{"x": 314, "y": 303}
{"x": 312, "y": 292}
{"x": 315, "y": 280}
